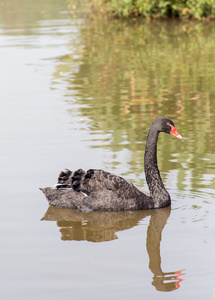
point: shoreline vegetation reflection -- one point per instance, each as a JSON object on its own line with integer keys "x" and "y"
{"x": 102, "y": 227}
{"x": 120, "y": 76}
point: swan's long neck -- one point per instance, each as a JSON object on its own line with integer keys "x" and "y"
{"x": 158, "y": 193}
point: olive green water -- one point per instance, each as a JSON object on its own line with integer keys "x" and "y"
{"x": 82, "y": 93}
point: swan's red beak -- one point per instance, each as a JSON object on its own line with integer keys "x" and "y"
{"x": 174, "y": 132}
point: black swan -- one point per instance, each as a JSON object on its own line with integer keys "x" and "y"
{"x": 98, "y": 190}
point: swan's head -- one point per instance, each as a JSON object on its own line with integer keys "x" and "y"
{"x": 166, "y": 125}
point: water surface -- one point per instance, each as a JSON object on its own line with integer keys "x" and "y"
{"x": 81, "y": 92}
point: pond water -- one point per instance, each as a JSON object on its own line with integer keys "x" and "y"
{"x": 82, "y": 93}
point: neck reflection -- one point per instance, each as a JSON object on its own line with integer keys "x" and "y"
{"x": 102, "y": 226}
{"x": 163, "y": 281}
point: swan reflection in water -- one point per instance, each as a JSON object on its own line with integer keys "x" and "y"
{"x": 102, "y": 226}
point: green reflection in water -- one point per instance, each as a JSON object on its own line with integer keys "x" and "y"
{"x": 124, "y": 75}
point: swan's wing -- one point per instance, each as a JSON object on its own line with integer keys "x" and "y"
{"x": 95, "y": 180}
{"x": 65, "y": 178}
{"x": 98, "y": 183}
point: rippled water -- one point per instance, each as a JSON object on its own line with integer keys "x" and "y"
{"x": 81, "y": 92}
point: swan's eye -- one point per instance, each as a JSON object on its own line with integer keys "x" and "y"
{"x": 174, "y": 132}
